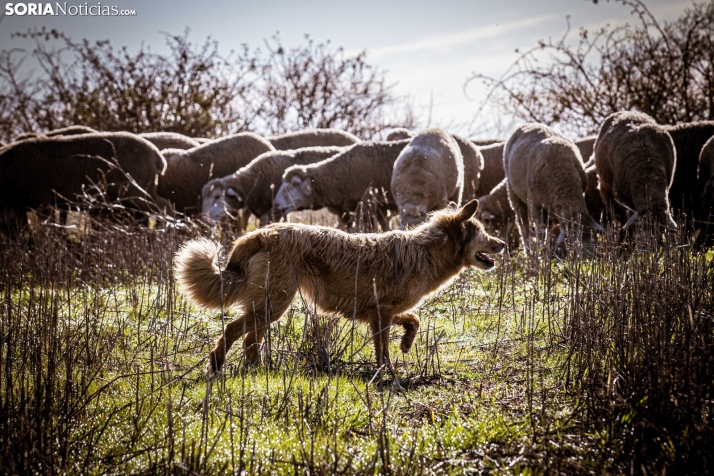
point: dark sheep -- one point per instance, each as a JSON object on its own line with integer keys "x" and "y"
{"x": 593, "y": 199}
{"x": 688, "y": 142}
{"x": 189, "y": 170}
{"x": 38, "y": 172}
{"x": 586, "y": 146}
{"x": 428, "y": 173}
{"x": 313, "y": 138}
{"x": 400, "y": 133}
{"x": 496, "y": 214}
{"x": 473, "y": 164}
{"x": 635, "y": 160}
{"x": 170, "y": 140}
{"x": 361, "y": 173}
{"x": 545, "y": 173}
{"x": 492, "y": 173}
{"x": 706, "y": 179}
{"x": 487, "y": 142}
{"x": 254, "y": 185}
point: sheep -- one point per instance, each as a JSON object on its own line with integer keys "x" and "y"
{"x": 492, "y": 173}
{"x": 313, "y": 138}
{"x": 706, "y": 179}
{"x": 688, "y": 142}
{"x": 487, "y": 142}
{"x": 189, "y": 170}
{"x": 593, "y": 200}
{"x": 473, "y": 164}
{"x": 254, "y": 185}
{"x": 70, "y": 131}
{"x": 428, "y": 173}
{"x": 201, "y": 140}
{"x": 635, "y": 160}
{"x": 173, "y": 140}
{"x": 545, "y": 173}
{"x": 342, "y": 182}
{"x": 38, "y": 172}
{"x": 495, "y": 212}
{"x": 399, "y": 133}
{"x": 586, "y": 145}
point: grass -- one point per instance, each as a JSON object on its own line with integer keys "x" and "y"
{"x": 543, "y": 366}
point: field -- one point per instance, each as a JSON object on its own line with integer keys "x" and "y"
{"x": 547, "y": 365}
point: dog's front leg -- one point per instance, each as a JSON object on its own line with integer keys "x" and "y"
{"x": 410, "y": 322}
{"x": 380, "y": 336}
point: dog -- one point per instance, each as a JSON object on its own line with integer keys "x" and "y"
{"x": 375, "y": 278}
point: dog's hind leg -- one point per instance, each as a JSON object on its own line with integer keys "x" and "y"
{"x": 410, "y": 322}
{"x": 259, "y": 311}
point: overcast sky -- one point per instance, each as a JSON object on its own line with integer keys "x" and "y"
{"x": 427, "y": 47}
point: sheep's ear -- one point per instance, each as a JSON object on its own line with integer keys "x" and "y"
{"x": 468, "y": 210}
{"x": 452, "y": 205}
{"x": 230, "y": 191}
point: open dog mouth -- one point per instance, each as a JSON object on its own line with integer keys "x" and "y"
{"x": 484, "y": 259}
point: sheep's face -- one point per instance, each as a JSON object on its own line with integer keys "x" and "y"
{"x": 489, "y": 213}
{"x": 218, "y": 201}
{"x": 295, "y": 193}
{"x": 411, "y": 215}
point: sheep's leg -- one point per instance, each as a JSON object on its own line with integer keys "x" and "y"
{"x": 410, "y": 322}
{"x": 382, "y": 218}
{"x": 265, "y": 219}
{"x": 521, "y": 211}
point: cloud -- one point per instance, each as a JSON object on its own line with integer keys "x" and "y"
{"x": 443, "y": 42}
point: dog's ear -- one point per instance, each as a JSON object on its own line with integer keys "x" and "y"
{"x": 468, "y": 210}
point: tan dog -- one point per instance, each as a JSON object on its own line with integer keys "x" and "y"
{"x": 377, "y": 278}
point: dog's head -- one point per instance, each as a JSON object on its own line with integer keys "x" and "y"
{"x": 472, "y": 240}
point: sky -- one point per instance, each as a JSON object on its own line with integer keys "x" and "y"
{"x": 426, "y": 48}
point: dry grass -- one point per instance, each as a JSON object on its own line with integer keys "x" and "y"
{"x": 565, "y": 365}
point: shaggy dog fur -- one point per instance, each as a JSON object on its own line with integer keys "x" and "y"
{"x": 375, "y": 278}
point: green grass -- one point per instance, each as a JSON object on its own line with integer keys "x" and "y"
{"x": 105, "y": 374}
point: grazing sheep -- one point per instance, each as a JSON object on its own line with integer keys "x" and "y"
{"x": 706, "y": 178}
{"x": 400, "y": 133}
{"x": 586, "y": 146}
{"x": 486, "y": 142}
{"x": 189, "y": 170}
{"x": 70, "y": 131}
{"x": 497, "y": 216}
{"x": 473, "y": 164}
{"x": 688, "y": 141}
{"x": 313, "y": 138}
{"x": 33, "y": 172}
{"x": 428, "y": 173}
{"x": 593, "y": 199}
{"x": 635, "y": 160}
{"x": 545, "y": 173}
{"x": 170, "y": 140}
{"x": 492, "y": 173}
{"x": 342, "y": 182}
{"x": 254, "y": 185}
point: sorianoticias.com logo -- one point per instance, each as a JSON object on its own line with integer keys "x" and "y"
{"x": 57, "y": 8}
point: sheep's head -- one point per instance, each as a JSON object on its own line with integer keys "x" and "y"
{"x": 412, "y": 214}
{"x": 297, "y": 192}
{"x": 219, "y": 200}
{"x": 490, "y": 212}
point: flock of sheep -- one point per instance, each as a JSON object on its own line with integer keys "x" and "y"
{"x": 633, "y": 168}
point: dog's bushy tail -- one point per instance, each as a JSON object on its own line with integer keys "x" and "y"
{"x": 199, "y": 277}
